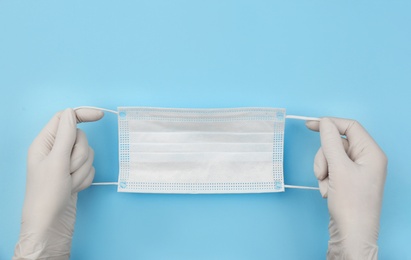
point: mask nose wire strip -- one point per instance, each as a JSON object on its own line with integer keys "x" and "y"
{"x": 287, "y": 116}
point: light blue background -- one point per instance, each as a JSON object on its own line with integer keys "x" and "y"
{"x": 315, "y": 58}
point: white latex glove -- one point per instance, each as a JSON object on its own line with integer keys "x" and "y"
{"x": 59, "y": 165}
{"x": 351, "y": 172}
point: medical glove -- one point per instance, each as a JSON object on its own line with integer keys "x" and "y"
{"x": 351, "y": 172}
{"x": 59, "y": 165}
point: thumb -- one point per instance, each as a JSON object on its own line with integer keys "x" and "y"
{"x": 88, "y": 115}
{"x": 331, "y": 144}
{"x": 66, "y": 134}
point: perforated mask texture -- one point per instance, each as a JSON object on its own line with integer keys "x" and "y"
{"x": 233, "y": 150}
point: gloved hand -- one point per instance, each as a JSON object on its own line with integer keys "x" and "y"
{"x": 59, "y": 165}
{"x": 351, "y": 172}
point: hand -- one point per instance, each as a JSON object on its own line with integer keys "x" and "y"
{"x": 351, "y": 172}
{"x": 59, "y": 165}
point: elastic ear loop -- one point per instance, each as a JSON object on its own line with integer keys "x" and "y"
{"x": 305, "y": 118}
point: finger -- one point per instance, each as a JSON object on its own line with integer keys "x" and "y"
{"x": 86, "y": 182}
{"x": 350, "y": 128}
{"x": 313, "y": 125}
{"x": 66, "y": 134}
{"x": 88, "y": 115}
{"x": 324, "y": 184}
{"x": 80, "y": 152}
{"x": 80, "y": 175}
{"x": 44, "y": 141}
{"x": 320, "y": 165}
{"x": 345, "y": 144}
{"x": 362, "y": 147}
{"x": 331, "y": 144}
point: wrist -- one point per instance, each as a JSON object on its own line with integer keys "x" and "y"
{"x": 43, "y": 245}
{"x": 352, "y": 248}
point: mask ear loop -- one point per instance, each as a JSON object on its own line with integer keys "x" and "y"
{"x": 97, "y": 108}
{"x": 104, "y": 110}
{"x": 305, "y": 118}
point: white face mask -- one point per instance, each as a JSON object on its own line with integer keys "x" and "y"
{"x": 234, "y": 150}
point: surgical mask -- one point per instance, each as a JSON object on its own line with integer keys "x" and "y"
{"x": 230, "y": 150}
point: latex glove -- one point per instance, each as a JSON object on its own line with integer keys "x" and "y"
{"x": 351, "y": 172}
{"x": 59, "y": 165}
